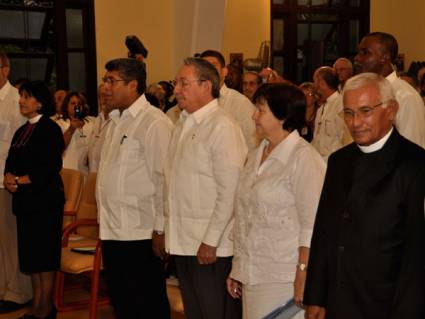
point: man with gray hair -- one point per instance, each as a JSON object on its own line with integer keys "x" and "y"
{"x": 329, "y": 126}
{"x": 344, "y": 69}
{"x": 206, "y": 155}
{"x": 367, "y": 252}
{"x": 15, "y": 287}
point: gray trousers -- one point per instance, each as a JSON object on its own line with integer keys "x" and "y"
{"x": 204, "y": 291}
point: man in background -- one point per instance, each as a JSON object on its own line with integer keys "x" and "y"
{"x": 15, "y": 287}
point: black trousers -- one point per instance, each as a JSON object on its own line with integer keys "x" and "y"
{"x": 204, "y": 289}
{"x": 135, "y": 279}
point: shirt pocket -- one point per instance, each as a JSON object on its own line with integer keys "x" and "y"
{"x": 131, "y": 150}
{"x": 329, "y": 128}
{"x": 5, "y": 131}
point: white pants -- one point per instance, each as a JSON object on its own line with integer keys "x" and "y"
{"x": 259, "y": 300}
{"x": 14, "y": 286}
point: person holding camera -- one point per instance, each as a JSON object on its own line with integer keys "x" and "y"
{"x": 77, "y": 129}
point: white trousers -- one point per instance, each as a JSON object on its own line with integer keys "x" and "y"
{"x": 261, "y": 299}
{"x": 14, "y": 285}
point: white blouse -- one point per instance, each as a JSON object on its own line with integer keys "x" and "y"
{"x": 275, "y": 210}
{"x": 75, "y": 155}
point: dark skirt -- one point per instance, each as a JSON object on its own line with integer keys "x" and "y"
{"x": 39, "y": 241}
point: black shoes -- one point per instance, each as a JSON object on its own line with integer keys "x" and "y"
{"x": 7, "y": 306}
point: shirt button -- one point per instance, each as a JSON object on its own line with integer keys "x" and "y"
{"x": 341, "y": 248}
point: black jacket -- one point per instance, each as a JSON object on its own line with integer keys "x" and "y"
{"x": 368, "y": 246}
{"x": 41, "y": 159}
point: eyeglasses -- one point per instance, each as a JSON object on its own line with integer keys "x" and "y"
{"x": 363, "y": 111}
{"x": 112, "y": 81}
{"x": 185, "y": 83}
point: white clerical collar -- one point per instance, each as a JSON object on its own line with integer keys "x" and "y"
{"x": 377, "y": 145}
{"x": 35, "y": 119}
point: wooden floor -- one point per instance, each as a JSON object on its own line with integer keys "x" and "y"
{"x": 104, "y": 312}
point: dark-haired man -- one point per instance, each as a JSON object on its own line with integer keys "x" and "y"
{"x": 377, "y": 53}
{"x": 15, "y": 287}
{"x": 238, "y": 105}
{"x": 206, "y": 155}
{"x": 129, "y": 193}
{"x": 329, "y": 125}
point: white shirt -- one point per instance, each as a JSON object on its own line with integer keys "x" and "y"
{"x": 410, "y": 118}
{"x": 276, "y": 206}
{"x": 10, "y": 120}
{"x": 201, "y": 175}
{"x": 329, "y": 126}
{"x": 241, "y": 109}
{"x": 129, "y": 188}
{"x": 174, "y": 113}
{"x": 97, "y": 139}
{"x": 75, "y": 155}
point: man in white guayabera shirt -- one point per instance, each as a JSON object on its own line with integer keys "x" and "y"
{"x": 129, "y": 193}
{"x": 205, "y": 158}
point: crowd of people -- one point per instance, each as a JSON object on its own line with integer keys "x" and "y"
{"x": 262, "y": 192}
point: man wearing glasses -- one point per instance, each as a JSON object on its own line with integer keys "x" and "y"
{"x": 129, "y": 193}
{"x": 367, "y": 253}
{"x": 206, "y": 155}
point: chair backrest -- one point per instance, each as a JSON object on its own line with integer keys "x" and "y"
{"x": 88, "y": 207}
{"x": 73, "y": 183}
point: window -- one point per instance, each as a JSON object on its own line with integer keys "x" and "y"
{"x": 52, "y": 41}
{"x": 307, "y": 34}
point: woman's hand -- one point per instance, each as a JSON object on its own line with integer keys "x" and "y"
{"x": 9, "y": 182}
{"x": 234, "y": 288}
{"x": 76, "y": 124}
{"x": 299, "y": 283}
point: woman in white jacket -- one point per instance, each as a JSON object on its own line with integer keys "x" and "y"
{"x": 276, "y": 203}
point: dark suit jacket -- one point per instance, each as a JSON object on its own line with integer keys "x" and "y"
{"x": 41, "y": 159}
{"x": 368, "y": 245}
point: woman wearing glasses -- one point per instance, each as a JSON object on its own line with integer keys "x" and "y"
{"x": 32, "y": 176}
{"x": 276, "y": 202}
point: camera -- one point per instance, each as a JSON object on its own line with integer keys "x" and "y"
{"x": 135, "y": 46}
{"x": 79, "y": 112}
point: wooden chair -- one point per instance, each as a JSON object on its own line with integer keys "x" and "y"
{"x": 73, "y": 185}
{"x": 75, "y": 263}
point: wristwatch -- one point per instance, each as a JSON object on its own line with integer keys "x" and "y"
{"x": 302, "y": 266}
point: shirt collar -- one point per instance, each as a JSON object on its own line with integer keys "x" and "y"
{"x": 5, "y": 90}
{"x": 133, "y": 110}
{"x": 392, "y": 77}
{"x": 224, "y": 89}
{"x": 283, "y": 150}
{"x": 35, "y": 119}
{"x": 332, "y": 97}
{"x": 199, "y": 115}
{"x": 377, "y": 145}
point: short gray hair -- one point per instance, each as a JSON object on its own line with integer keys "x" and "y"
{"x": 370, "y": 79}
{"x": 205, "y": 71}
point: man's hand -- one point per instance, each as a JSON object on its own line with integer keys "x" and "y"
{"x": 10, "y": 183}
{"x": 234, "y": 288}
{"x": 158, "y": 245}
{"x": 315, "y": 312}
{"x": 206, "y": 254}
